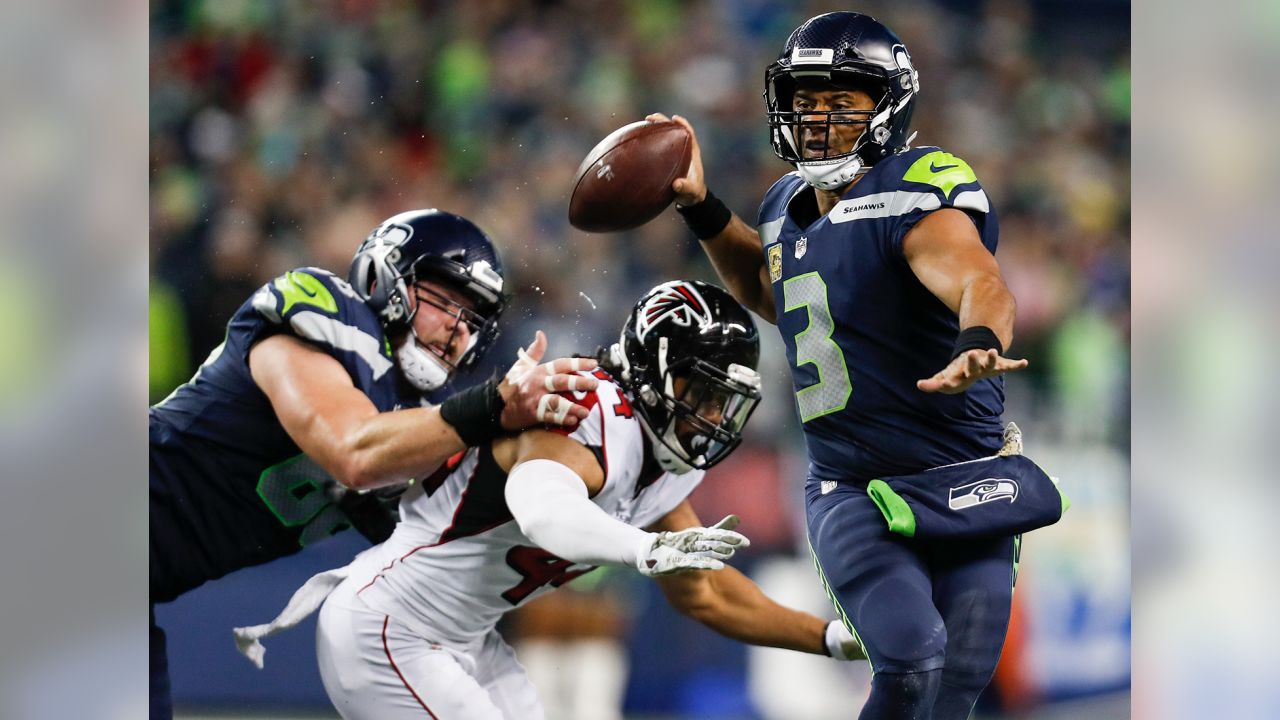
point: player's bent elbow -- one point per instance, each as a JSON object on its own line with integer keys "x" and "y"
{"x": 361, "y": 460}
{"x": 356, "y": 470}
{"x": 354, "y": 477}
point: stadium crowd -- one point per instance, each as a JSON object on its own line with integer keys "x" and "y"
{"x": 281, "y": 133}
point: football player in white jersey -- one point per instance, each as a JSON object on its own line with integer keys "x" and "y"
{"x": 409, "y": 632}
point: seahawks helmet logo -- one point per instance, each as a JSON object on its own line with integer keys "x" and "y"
{"x": 983, "y": 491}
{"x": 678, "y": 302}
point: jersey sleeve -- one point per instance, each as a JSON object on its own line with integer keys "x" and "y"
{"x": 773, "y": 207}
{"x": 321, "y": 308}
{"x": 664, "y": 495}
{"x": 935, "y": 180}
{"x": 589, "y": 431}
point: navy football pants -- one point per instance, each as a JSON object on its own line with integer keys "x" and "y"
{"x": 932, "y": 616}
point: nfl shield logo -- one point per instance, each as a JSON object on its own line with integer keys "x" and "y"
{"x": 801, "y": 246}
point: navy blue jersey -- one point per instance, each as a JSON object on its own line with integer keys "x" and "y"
{"x": 861, "y": 329}
{"x": 229, "y": 488}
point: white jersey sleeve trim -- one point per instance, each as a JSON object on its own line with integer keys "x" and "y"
{"x": 769, "y": 231}
{"x": 319, "y": 328}
{"x": 666, "y": 493}
{"x": 973, "y": 200}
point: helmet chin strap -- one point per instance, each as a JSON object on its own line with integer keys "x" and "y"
{"x": 831, "y": 174}
{"x": 421, "y": 368}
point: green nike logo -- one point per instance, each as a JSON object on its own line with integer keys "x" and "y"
{"x": 951, "y": 173}
{"x": 299, "y": 288}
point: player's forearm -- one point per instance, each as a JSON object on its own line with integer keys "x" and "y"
{"x": 986, "y": 300}
{"x": 392, "y": 447}
{"x": 738, "y": 259}
{"x": 734, "y": 606}
{"x": 549, "y": 502}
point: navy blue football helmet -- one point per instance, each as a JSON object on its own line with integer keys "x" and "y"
{"x": 688, "y": 357}
{"x": 442, "y": 248}
{"x": 841, "y": 51}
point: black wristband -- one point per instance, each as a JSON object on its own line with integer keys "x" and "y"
{"x": 708, "y": 218}
{"x": 978, "y": 337}
{"x": 475, "y": 413}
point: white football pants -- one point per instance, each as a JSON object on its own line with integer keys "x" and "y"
{"x": 374, "y": 667}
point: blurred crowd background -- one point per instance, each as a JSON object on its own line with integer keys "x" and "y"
{"x": 282, "y": 132}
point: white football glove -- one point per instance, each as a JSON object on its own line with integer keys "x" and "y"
{"x": 841, "y": 644}
{"x": 697, "y": 548}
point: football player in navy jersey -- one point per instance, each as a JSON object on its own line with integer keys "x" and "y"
{"x": 320, "y": 390}
{"x": 876, "y": 261}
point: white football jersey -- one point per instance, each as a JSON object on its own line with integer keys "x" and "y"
{"x": 458, "y": 560}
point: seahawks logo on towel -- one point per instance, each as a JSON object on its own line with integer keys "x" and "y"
{"x": 983, "y": 491}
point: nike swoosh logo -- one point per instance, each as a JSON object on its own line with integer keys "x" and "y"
{"x": 936, "y": 169}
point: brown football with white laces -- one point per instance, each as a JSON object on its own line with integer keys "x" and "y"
{"x": 625, "y": 181}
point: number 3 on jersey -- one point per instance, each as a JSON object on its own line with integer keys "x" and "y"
{"x": 814, "y": 345}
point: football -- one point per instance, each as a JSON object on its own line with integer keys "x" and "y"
{"x": 625, "y": 181}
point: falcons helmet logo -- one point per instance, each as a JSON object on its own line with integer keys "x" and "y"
{"x": 679, "y": 302}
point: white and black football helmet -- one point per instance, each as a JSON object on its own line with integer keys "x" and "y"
{"x": 443, "y": 248}
{"x": 688, "y": 357}
{"x": 842, "y": 51}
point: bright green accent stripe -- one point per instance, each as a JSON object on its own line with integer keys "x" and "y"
{"x": 1066, "y": 501}
{"x": 844, "y": 617}
{"x": 950, "y": 172}
{"x": 896, "y": 511}
{"x": 299, "y": 288}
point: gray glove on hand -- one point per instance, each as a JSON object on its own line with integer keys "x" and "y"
{"x": 697, "y": 548}
{"x": 841, "y": 644}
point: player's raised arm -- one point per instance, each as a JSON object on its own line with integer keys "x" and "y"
{"x": 946, "y": 254}
{"x": 733, "y": 245}
{"x": 548, "y": 491}
{"x": 734, "y": 606}
{"x": 337, "y": 425}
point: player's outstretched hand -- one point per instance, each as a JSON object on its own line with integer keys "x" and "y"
{"x": 529, "y": 388}
{"x": 692, "y": 188}
{"x": 696, "y": 548}
{"x": 841, "y": 643}
{"x": 968, "y": 368}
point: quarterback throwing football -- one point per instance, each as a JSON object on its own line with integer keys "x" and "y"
{"x": 876, "y": 261}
